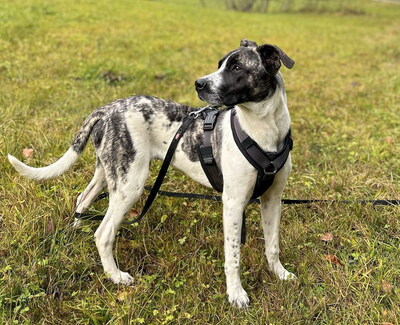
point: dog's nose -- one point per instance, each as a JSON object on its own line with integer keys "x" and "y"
{"x": 200, "y": 83}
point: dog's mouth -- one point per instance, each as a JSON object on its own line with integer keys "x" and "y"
{"x": 211, "y": 98}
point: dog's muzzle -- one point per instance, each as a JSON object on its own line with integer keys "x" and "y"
{"x": 206, "y": 92}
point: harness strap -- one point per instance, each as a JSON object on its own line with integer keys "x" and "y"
{"x": 205, "y": 152}
{"x": 209, "y": 164}
{"x": 164, "y": 168}
{"x": 266, "y": 163}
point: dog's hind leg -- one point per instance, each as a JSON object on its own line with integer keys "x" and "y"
{"x": 86, "y": 198}
{"x": 271, "y": 217}
{"x": 122, "y": 196}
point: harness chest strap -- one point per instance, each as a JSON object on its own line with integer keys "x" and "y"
{"x": 266, "y": 163}
{"x": 205, "y": 152}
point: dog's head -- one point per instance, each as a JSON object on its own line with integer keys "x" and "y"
{"x": 246, "y": 74}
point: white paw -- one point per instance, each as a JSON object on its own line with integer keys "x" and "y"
{"x": 238, "y": 298}
{"x": 77, "y": 223}
{"x": 286, "y": 275}
{"x": 120, "y": 277}
{"x": 79, "y": 199}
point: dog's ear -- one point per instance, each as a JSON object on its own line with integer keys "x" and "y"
{"x": 247, "y": 43}
{"x": 272, "y": 56}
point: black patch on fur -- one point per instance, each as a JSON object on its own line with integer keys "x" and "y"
{"x": 176, "y": 112}
{"x": 193, "y": 137}
{"x": 83, "y": 134}
{"x": 147, "y": 109}
{"x": 98, "y": 133}
{"x": 147, "y": 112}
{"x": 244, "y": 79}
{"x": 117, "y": 150}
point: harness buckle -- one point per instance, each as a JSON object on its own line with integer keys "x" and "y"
{"x": 210, "y": 119}
{"x": 208, "y": 160}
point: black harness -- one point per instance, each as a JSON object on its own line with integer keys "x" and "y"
{"x": 266, "y": 163}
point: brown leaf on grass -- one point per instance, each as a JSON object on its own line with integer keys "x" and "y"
{"x": 326, "y": 237}
{"x": 333, "y": 259}
{"x": 386, "y": 286}
{"x": 134, "y": 213}
{"x": 122, "y": 296}
{"x": 160, "y": 76}
{"x": 49, "y": 227}
{"x": 27, "y": 152}
{"x": 389, "y": 140}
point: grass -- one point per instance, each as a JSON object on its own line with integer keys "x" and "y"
{"x": 60, "y": 60}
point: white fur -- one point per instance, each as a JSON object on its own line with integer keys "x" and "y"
{"x": 53, "y": 170}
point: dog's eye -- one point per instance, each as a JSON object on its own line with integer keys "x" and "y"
{"x": 236, "y": 68}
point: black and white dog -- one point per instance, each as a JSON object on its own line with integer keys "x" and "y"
{"x": 129, "y": 133}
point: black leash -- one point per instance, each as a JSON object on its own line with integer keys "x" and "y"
{"x": 170, "y": 153}
{"x": 218, "y": 198}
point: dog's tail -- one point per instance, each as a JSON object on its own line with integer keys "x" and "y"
{"x": 68, "y": 159}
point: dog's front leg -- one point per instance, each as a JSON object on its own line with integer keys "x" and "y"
{"x": 233, "y": 214}
{"x": 271, "y": 217}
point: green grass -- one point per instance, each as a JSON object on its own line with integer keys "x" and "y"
{"x": 56, "y": 60}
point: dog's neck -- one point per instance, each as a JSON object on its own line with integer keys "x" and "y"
{"x": 266, "y": 122}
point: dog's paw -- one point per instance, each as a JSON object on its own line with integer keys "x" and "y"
{"x": 77, "y": 223}
{"x": 286, "y": 275}
{"x": 120, "y": 277}
{"x": 239, "y": 298}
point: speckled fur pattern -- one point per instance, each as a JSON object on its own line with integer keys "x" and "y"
{"x": 129, "y": 133}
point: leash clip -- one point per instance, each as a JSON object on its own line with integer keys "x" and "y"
{"x": 196, "y": 114}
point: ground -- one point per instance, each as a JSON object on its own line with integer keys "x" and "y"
{"x": 60, "y": 60}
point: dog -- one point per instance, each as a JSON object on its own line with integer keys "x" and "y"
{"x": 128, "y": 133}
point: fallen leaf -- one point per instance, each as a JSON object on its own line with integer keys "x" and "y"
{"x": 386, "y": 286}
{"x": 326, "y": 237}
{"x": 122, "y": 295}
{"x": 389, "y": 140}
{"x": 27, "y": 152}
{"x": 134, "y": 213}
{"x": 160, "y": 76}
{"x": 333, "y": 259}
{"x": 49, "y": 227}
